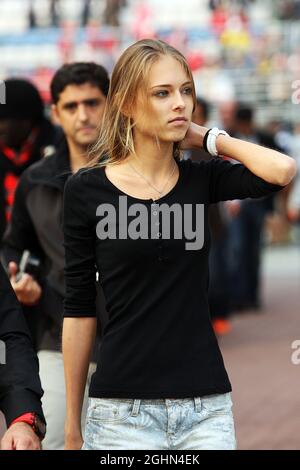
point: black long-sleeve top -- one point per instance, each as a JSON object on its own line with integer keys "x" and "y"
{"x": 20, "y": 386}
{"x": 159, "y": 341}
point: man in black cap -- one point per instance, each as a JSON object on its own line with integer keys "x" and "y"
{"x": 24, "y": 135}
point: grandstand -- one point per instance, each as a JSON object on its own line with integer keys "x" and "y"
{"x": 240, "y": 51}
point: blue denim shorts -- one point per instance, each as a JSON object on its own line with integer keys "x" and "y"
{"x": 196, "y": 423}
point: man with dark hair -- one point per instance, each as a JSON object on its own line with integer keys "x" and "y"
{"x": 20, "y": 387}
{"x": 79, "y": 94}
{"x": 77, "y": 74}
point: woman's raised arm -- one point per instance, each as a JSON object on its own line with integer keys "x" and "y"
{"x": 272, "y": 166}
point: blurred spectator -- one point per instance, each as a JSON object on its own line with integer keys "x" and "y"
{"x": 31, "y": 16}
{"x": 201, "y": 113}
{"x": 24, "y": 135}
{"x": 288, "y": 9}
{"x": 112, "y": 11}
{"x": 227, "y": 113}
{"x": 294, "y": 196}
{"x": 86, "y": 11}
{"x": 282, "y": 137}
{"x": 218, "y": 274}
{"x": 246, "y": 226}
{"x": 278, "y": 224}
{"x": 143, "y": 24}
{"x": 54, "y": 13}
{"x": 214, "y": 4}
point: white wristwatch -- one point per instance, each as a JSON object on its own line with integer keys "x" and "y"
{"x": 211, "y": 140}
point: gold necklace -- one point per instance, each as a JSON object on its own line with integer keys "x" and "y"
{"x": 150, "y": 184}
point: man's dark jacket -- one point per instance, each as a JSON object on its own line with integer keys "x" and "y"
{"x": 20, "y": 386}
{"x": 36, "y": 225}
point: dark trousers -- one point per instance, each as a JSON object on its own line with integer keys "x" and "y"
{"x": 218, "y": 292}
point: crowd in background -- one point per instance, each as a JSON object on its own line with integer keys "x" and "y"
{"x": 239, "y": 48}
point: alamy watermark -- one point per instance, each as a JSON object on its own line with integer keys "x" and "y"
{"x": 296, "y": 94}
{"x": 166, "y": 222}
{"x": 2, "y": 92}
{"x": 295, "y": 357}
{"x": 2, "y": 353}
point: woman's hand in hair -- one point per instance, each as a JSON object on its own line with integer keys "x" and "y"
{"x": 194, "y": 137}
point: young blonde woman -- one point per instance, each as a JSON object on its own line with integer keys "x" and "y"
{"x": 138, "y": 216}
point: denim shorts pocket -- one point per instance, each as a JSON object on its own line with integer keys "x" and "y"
{"x": 108, "y": 410}
{"x": 217, "y": 404}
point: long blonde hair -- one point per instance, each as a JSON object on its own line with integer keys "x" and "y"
{"x": 115, "y": 140}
